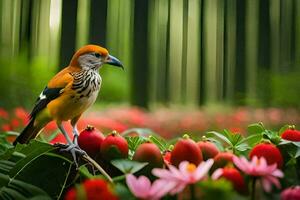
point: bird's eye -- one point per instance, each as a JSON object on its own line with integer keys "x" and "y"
{"x": 97, "y": 55}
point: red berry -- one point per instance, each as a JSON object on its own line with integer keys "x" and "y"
{"x": 269, "y": 151}
{"x": 150, "y": 153}
{"x": 221, "y": 160}
{"x": 237, "y": 180}
{"x": 90, "y": 140}
{"x": 186, "y": 149}
{"x": 208, "y": 149}
{"x": 114, "y": 146}
{"x": 71, "y": 194}
{"x": 291, "y": 134}
{"x": 91, "y": 189}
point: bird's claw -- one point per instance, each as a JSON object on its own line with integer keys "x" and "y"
{"x": 73, "y": 149}
{"x": 60, "y": 145}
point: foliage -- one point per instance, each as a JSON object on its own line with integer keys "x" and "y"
{"x": 220, "y": 189}
{"x": 128, "y": 166}
{"x": 24, "y": 168}
{"x": 16, "y": 189}
{"x": 34, "y": 163}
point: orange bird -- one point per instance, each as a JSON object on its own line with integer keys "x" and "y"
{"x": 68, "y": 94}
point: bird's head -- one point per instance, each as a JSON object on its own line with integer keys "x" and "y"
{"x": 93, "y": 57}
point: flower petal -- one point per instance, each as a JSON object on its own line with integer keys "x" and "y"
{"x": 161, "y": 173}
{"x": 178, "y": 188}
{"x": 217, "y": 174}
{"x": 253, "y": 164}
{"x": 274, "y": 180}
{"x": 278, "y": 173}
{"x": 203, "y": 169}
{"x": 241, "y": 163}
{"x": 263, "y": 162}
{"x": 138, "y": 186}
{"x": 183, "y": 169}
{"x": 266, "y": 184}
{"x": 176, "y": 174}
{"x": 160, "y": 188}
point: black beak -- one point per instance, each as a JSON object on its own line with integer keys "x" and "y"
{"x": 114, "y": 61}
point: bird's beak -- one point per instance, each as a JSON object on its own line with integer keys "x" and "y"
{"x": 114, "y": 61}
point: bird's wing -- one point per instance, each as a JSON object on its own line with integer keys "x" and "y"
{"x": 53, "y": 90}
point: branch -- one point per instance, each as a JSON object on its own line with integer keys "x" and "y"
{"x": 97, "y": 166}
{"x": 88, "y": 159}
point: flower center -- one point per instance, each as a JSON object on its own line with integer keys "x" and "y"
{"x": 258, "y": 162}
{"x": 191, "y": 167}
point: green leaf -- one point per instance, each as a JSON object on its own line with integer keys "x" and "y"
{"x": 32, "y": 151}
{"x": 255, "y": 128}
{"x": 284, "y": 142}
{"x": 272, "y": 136}
{"x": 235, "y": 138}
{"x": 84, "y": 171}
{"x": 217, "y": 143}
{"x": 4, "y": 144}
{"x": 51, "y": 167}
{"x": 122, "y": 192}
{"x": 38, "y": 164}
{"x": 251, "y": 140}
{"x": 284, "y": 128}
{"x": 160, "y": 142}
{"x": 16, "y": 189}
{"x": 128, "y": 166}
{"x": 296, "y": 144}
{"x": 48, "y": 171}
{"x": 220, "y": 136}
{"x": 143, "y": 132}
{"x": 242, "y": 147}
{"x": 133, "y": 143}
{"x": 297, "y": 153}
{"x": 6, "y": 166}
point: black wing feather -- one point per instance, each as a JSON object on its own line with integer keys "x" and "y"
{"x": 46, "y": 96}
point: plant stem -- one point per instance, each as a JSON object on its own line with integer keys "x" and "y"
{"x": 97, "y": 166}
{"x": 253, "y": 189}
{"x": 192, "y": 192}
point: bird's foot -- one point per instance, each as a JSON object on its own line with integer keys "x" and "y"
{"x": 74, "y": 149}
{"x": 75, "y": 139}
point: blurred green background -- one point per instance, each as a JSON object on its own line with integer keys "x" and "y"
{"x": 176, "y": 52}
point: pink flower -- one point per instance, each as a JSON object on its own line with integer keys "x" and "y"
{"x": 186, "y": 174}
{"x": 142, "y": 188}
{"x": 292, "y": 193}
{"x": 259, "y": 168}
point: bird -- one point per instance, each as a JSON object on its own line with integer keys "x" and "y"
{"x": 68, "y": 95}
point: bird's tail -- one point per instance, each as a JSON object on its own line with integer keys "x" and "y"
{"x": 29, "y": 132}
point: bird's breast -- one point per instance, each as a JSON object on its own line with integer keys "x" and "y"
{"x": 76, "y": 99}
{"x": 86, "y": 83}
{"x": 86, "y": 87}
